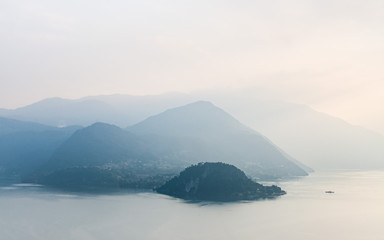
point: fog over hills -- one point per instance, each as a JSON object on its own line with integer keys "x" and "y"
{"x": 24, "y": 146}
{"x": 103, "y": 155}
{"x": 200, "y": 119}
{"x": 164, "y": 144}
{"x": 97, "y": 144}
{"x": 223, "y": 139}
{"x": 314, "y": 138}
{"x": 121, "y": 110}
{"x": 9, "y": 126}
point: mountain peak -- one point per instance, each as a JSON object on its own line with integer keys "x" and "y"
{"x": 193, "y": 119}
{"x": 201, "y": 103}
{"x": 101, "y": 130}
{"x": 99, "y": 125}
{"x": 198, "y": 106}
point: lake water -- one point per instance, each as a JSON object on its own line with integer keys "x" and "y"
{"x": 354, "y": 211}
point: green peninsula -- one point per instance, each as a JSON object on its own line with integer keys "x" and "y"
{"x": 216, "y": 182}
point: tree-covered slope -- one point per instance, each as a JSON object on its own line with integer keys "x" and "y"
{"x": 216, "y": 182}
{"x": 103, "y": 155}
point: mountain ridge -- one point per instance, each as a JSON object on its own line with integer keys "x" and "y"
{"x": 113, "y": 152}
{"x": 224, "y": 136}
{"x": 306, "y": 135}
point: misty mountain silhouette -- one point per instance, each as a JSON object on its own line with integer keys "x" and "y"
{"x": 199, "y": 119}
{"x": 102, "y": 155}
{"x": 120, "y": 110}
{"x": 97, "y": 144}
{"x": 163, "y": 145}
{"x": 9, "y": 126}
{"x": 24, "y": 146}
{"x": 210, "y": 134}
{"x": 315, "y": 139}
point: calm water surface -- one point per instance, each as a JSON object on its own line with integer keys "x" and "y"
{"x": 354, "y": 211}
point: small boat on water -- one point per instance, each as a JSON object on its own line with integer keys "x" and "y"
{"x": 329, "y": 192}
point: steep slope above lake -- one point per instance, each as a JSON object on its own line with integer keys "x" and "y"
{"x": 162, "y": 146}
{"x": 207, "y": 133}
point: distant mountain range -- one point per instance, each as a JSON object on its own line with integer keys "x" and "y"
{"x": 120, "y": 110}
{"x": 11, "y": 126}
{"x": 315, "y": 139}
{"x": 25, "y": 146}
{"x": 209, "y": 134}
{"x": 148, "y": 153}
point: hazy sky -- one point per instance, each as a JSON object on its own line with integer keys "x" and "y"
{"x": 328, "y": 54}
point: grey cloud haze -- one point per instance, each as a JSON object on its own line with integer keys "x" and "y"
{"x": 327, "y": 54}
